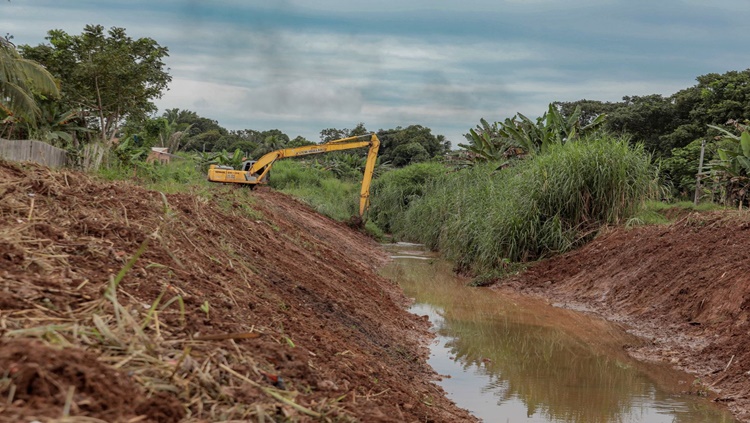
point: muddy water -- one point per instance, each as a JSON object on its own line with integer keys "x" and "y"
{"x": 507, "y": 358}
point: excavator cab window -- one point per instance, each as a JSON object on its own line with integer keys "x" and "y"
{"x": 247, "y": 164}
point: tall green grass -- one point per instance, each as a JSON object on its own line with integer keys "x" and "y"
{"x": 333, "y": 197}
{"x": 289, "y": 174}
{"x": 322, "y": 190}
{"x": 391, "y": 193}
{"x": 175, "y": 176}
{"x": 481, "y": 218}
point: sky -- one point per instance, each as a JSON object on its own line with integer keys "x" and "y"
{"x": 303, "y": 66}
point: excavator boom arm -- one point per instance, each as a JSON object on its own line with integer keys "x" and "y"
{"x": 258, "y": 171}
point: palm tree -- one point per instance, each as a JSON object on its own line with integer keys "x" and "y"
{"x": 170, "y": 134}
{"x": 20, "y": 79}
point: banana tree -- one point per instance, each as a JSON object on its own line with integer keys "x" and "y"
{"x": 234, "y": 159}
{"x": 732, "y": 168}
{"x": 58, "y": 126}
{"x": 484, "y": 142}
{"x": 554, "y": 128}
{"x": 172, "y": 133}
{"x": 520, "y": 136}
{"x": 494, "y": 142}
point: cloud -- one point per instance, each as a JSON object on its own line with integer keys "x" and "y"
{"x": 303, "y": 66}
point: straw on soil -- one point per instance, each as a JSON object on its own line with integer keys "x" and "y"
{"x": 101, "y": 291}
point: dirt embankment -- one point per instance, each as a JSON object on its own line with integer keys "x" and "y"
{"x": 121, "y": 304}
{"x": 685, "y": 286}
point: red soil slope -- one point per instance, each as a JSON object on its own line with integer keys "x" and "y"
{"x": 121, "y": 304}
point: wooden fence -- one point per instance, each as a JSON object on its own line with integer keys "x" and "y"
{"x": 32, "y": 151}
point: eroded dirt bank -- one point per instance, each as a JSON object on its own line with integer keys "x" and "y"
{"x": 685, "y": 287}
{"x": 119, "y": 304}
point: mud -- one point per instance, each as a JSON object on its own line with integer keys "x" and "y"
{"x": 684, "y": 287}
{"x": 123, "y": 304}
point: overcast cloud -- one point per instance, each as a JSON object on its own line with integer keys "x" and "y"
{"x": 302, "y": 66}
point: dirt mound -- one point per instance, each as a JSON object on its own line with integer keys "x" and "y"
{"x": 218, "y": 305}
{"x": 47, "y": 380}
{"x": 686, "y": 286}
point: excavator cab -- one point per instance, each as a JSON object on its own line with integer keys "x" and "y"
{"x": 247, "y": 164}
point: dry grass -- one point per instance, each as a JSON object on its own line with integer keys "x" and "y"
{"x": 211, "y": 376}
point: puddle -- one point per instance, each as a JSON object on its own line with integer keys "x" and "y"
{"x": 509, "y": 358}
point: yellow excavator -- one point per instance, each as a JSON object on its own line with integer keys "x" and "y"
{"x": 256, "y": 172}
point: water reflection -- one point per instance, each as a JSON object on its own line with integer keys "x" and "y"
{"x": 512, "y": 359}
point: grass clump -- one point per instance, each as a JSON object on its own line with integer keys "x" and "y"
{"x": 289, "y": 174}
{"x": 392, "y": 193}
{"x": 688, "y": 206}
{"x": 481, "y": 218}
{"x": 661, "y": 213}
{"x": 335, "y": 198}
{"x": 331, "y": 195}
{"x": 173, "y": 177}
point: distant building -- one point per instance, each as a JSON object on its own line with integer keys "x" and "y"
{"x": 161, "y": 154}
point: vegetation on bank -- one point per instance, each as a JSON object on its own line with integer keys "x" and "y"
{"x": 483, "y": 218}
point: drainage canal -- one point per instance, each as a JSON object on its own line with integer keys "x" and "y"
{"x": 508, "y": 358}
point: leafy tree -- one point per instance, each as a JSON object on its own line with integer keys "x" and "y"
{"x": 330, "y": 134}
{"x": 107, "y": 75}
{"x": 299, "y": 141}
{"x": 200, "y": 133}
{"x": 359, "y": 130}
{"x": 432, "y": 146}
{"x": 213, "y": 140}
{"x": 646, "y": 119}
{"x": 269, "y": 141}
{"x": 589, "y": 109}
{"x": 198, "y": 124}
{"x": 406, "y": 154}
{"x": 732, "y": 168}
{"x": 281, "y": 137}
{"x": 681, "y": 168}
{"x": 246, "y": 140}
{"x": 20, "y": 80}
{"x": 715, "y": 100}
{"x": 243, "y": 145}
{"x": 664, "y": 124}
